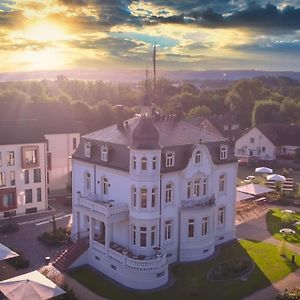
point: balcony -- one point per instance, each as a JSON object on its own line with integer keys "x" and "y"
{"x": 120, "y": 254}
{"x": 199, "y": 203}
{"x": 103, "y": 209}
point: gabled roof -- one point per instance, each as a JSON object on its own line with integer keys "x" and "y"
{"x": 281, "y": 134}
{"x": 20, "y": 132}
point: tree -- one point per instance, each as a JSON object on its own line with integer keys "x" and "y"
{"x": 265, "y": 111}
{"x": 289, "y": 111}
{"x": 198, "y": 111}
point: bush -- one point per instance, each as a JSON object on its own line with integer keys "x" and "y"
{"x": 18, "y": 262}
{"x": 9, "y": 228}
{"x": 57, "y": 237}
{"x": 287, "y": 220}
{"x": 294, "y": 294}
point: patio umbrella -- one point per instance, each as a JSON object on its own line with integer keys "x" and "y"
{"x": 32, "y": 285}
{"x": 287, "y": 231}
{"x": 6, "y": 253}
{"x": 276, "y": 177}
{"x": 263, "y": 170}
{"x": 287, "y": 211}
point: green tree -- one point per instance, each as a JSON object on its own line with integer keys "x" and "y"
{"x": 265, "y": 111}
{"x": 198, "y": 111}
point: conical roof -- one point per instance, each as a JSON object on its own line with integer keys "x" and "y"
{"x": 145, "y": 135}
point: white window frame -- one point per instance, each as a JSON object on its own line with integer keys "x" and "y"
{"x": 134, "y": 196}
{"x": 204, "y": 186}
{"x": 168, "y": 230}
{"x": 223, "y": 152}
{"x": 222, "y": 183}
{"x": 170, "y": 159}
{"x": 133, "y": 162}
{"x": 221, "y": 216}
{"x": 169, "y": 193}
{"x": 144, "y": 233}
{"x": 189, "y": 190}
{"x": 153, "y": 235}
{"x": 153, "y": 197}
{"x": 198, "y": 157}
{"x": 154, "y": 163}
{"x": 144, "y": 163}
{"x": 104, "y": 153}
{"x": 87, "y": 181}
{"x": 144, "y": 197}
{"x": 191, "y": 228}
{"x": 105, "y": 186}
{"x": 87, "y": 149}
{"x": 204, "y": 226}
{"x": 2, "y": 178}
{"x": 197, "y": 187}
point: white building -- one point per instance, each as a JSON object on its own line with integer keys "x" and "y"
{"x": 22, "y": 168}
{"x": 268, "y": 141}
{"x": 152, "y": 191}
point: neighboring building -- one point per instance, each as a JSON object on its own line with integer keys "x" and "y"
{"x": 151, "y": 191}
{"x": 268, "y": 142}
{"x": 62, "y": 135}
{"x": 22, "y": 168}
{"x": 225, "y": 125}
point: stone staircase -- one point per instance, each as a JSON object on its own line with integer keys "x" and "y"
{"x": 67, "y": 255}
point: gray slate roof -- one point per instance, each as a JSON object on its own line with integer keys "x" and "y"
{"x": 20, "y": 132}
{"x": 178, "y": 136}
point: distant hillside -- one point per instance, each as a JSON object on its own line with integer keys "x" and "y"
{"x": 137, "y": 75}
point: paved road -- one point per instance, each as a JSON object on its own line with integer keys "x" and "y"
{"x": 31, "y": 227}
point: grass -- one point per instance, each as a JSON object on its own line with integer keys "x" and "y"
{"x": 275, "y": 223}
{"x": 192, "y": 283}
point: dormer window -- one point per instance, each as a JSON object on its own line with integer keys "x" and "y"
{"x": 87, "y": 149}
{"x": 170, "y": 159}
{"x": 134, "y": 163}
{"x": 104, "y": 153}
{"x": 223, "y": 152}
{"x": 154, "y": 160}
{"x": 198, "y": 157}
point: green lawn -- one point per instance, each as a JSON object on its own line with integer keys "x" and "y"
{"x": 191, "y": 281}
{"x": 274, "y": 224}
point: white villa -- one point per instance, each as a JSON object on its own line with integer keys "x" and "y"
{"x": 151, "y": 191}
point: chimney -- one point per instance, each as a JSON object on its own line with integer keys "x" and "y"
{"x": 120, "y": 116}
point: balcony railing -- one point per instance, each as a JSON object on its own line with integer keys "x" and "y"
{"x": 105, "y": 208}
{"x": 199, "y": 203}
{"x": 126, "y": 258}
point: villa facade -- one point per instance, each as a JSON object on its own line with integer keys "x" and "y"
{"x": 151, "y": 191}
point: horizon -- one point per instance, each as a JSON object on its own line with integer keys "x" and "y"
{"x": 114, "y": 35}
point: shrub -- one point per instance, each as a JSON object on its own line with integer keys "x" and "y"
{"x": 9, "y": 228}
{"x": 287, "y": 220}
{"x": 56, "y": 237}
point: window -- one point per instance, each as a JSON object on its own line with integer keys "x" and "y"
{"x": 154, "y": 161}
{"x": 143, "y": 198}
{"x": 105, "y": 186}
{"x": 0, "y": 159}
{"x": 8, "y": 199}
{"x": 49, "y": 161}
{"x": 26, "y": 176}
{"x": 133, "y": 235}
{"x": 204, "y": 226}
{"x": 74, "y": 143}
{"x": 189, "y": 190}
{"x": 223, "y": 152}
{"x": 134, "y": 163}
{"x": 87, "y": 181}
{"x": 153, "y": 197}
{"x": 252, "y": 140}
{"x": 191, "y": 228}
{"x": 263, "y": 149}
{"x": 170, "y": 159}
{"x": 28, "y": 196}
{"x": 2, "y": 178}
{"x": 133, "y": 197}
{"x": 225, "y": 127}
{"x": 30, "y": 157}
{"x": 222, "y": 183}
{"x": 87, "y": 149}
{"x": 143, "y": 236}
{"x": 104, "y": 153}
{"x": 12, "y": 178}
{"x": 10, "y": 158}
{"x": 168, "y": 229}
{"x": 197, "y": 188}
{"x": 169, "y": 193}
{"x": 37, "y": 175}
{"x": 221, "y": 216}
{"x": 144, "y": 163}
{"x": 204, "y": 186}
{"x": 47, "y": 145}
{"x": 198, "y": 157}
{"x": 39, "y": 194}
{"x": 152, "y": 235}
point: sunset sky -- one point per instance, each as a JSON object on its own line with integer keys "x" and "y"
{"x": 119, "y": 34}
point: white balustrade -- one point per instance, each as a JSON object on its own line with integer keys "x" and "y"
{"x": 98, "y": 247}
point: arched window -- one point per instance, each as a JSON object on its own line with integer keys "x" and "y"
{"x": 204, "y": 228}
{"x": 144, "y": 163}
{"x": 134, "y": 163}
{"x": 189, "y": 190}
{"x": 104, "y": 153}
{"x": 198, "y": 157}
{"x": 197, "y": 187}
{"x": 143, "y": 236}
{"x": 87, "y": 180}
{"x": 105, "y": 186}
{"x": 133, "y": 197}
{"x": 204, "y": 186}
{"x": 153, "y": 197}
{"x": 169, "y": 193}
{"x": 154, "y": 161}
{"x": 223, "y": 152}
{"x": 222, "y": 183}
{"x": 143, "y": 198}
